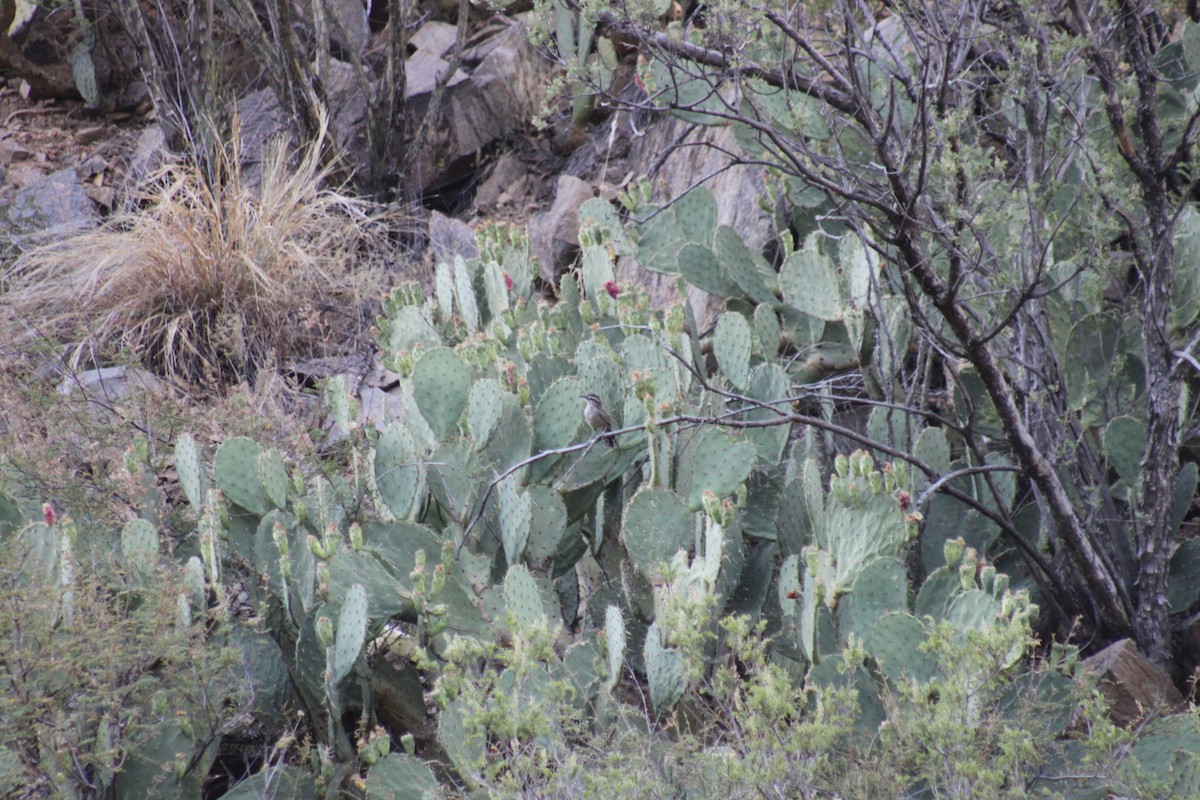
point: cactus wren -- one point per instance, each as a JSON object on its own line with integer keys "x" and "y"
{"x": 597, "y": 418}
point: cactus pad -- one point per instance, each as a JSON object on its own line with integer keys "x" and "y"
{"x": 351, "y": 632}
{"x": 440, "y": 384}
{"x": 523, "y": 598}
{"x": 401, "y": 775}
{"x": 272, "y": 475}
{"x": 714, "y": 462}
{"x": 139, "y": 547}
{"x": 656, "y": 526}
{"x": 236, "y": 471}
{"x": 191, "y": 470}
{"x": 464, "y": 295}
{"x": 516, "y": 516}
{"x": 731, "y": 346}
{"x": 484, "y": 406}
{"x": 397, "y": 469}
{"x": 809, "y": 282}
{"x": 664, "y": 672}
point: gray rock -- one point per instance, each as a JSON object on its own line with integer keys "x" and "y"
{"x": 264, "y": 121}
{"x": 149, "y": 153}
{"x": 554, "y": 234}
{"x": 53, "y": 206}
{"x": 507, "y": 185}
{"x": 503, "y": 94}
{"x": 450, "y": 237}
{"x": 105, "y": 387}
{"x": 353, "y": 16}
{"x": 435, "y": 38}
{"x": 377, "y": 407}
{"x": 423, "y": 70}
{"x": 694, "y": 156}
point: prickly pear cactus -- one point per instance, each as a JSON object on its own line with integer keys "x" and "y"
{"x": 190, "y": 468}
{"x": 273, "y": 478}
{"x": 614, "y": 637}
{"x": 235, "y": 469}
{"x": 657, "y": 525}
{"x": 399, "y": 775}
{"x": 731, "y": 345}
{"x": 809, "y": 282}
{"x": 664, "y": 672}
{"x": 139, "y": 548}
{"x": 522, "y": 597}
{"x": 441, "y": 383}
{"x": 484, "y": 408}
{"x": 351, "y": 632}
{"x": 399, "y": 475}
{"x": 516, "y": 519}
{"x": 714, "y": 462}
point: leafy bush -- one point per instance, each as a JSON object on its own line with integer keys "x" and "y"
{"x": 110, "y": 686}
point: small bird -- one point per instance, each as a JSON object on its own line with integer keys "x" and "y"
{"x": 597, "y": 418}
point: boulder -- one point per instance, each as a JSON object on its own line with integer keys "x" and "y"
{"x": 554, "y": 234}
{"x": 507, "y": 185}
{"x": 502, "y": 95}
{"x": 54, "y": 206}
{"x": 676, "y": 156}
{"x": 450, "y": 237}
{"x": 104, "y": 388}
{"x": 1134, "y": 686}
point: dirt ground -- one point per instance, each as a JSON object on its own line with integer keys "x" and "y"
{"x": 41, "y": 137}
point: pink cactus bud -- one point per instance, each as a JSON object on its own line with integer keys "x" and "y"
{"x": 613, "y": 290}
{"x": 508, "y": 281}
{"x": 48, "y": 513}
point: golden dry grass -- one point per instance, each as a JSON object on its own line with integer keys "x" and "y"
{"x": 205, "y": 282}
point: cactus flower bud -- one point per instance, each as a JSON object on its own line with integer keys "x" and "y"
{"x": 322, "y": 579}
{"x": 315, "y": 547}
{"x": 409, "y": 744}
{"x": 356, "y": 540}
{"x": 810, "y": 560}
{"x": 841, "y": 465}
{"x": 987, "y": 578}
{"x": 613, "y": 290}
{"x": 330, "y": 539}
{"x": 952, "y": 551}
{"x": 966, "y": 575}
{"x": 324, "y": 628}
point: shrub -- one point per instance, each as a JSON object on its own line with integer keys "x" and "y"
{"x": 206, "y": 279}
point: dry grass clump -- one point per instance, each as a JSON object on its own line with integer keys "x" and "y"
{"x": 206, "y": 281}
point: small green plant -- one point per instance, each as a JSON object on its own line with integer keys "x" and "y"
{"x": 111, "y": 685}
